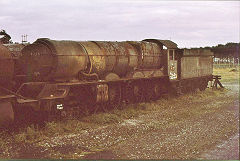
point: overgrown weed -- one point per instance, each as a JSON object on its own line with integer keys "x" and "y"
{"x": 102, "y": 118}
{"x": 29, "y": 134}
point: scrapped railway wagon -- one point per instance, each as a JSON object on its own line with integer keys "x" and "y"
{"x": 11, "y": 104}
{"x": 66, "y": 78}
{"x": 6, "y": 74}
{"x": 15, "y": 50}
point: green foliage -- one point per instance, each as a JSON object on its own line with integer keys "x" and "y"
{"x": 6, "y": 39}
{"x": 228, "y": 50}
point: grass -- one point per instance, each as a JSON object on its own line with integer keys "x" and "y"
{"x": 28, "y": 135}
{"x": 228, "y": 74}
{"x": 32, "y": 134}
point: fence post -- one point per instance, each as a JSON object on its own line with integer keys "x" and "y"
{"x": 233, "y": 62}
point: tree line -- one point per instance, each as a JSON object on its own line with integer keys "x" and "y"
{"x": 229, "y": 50}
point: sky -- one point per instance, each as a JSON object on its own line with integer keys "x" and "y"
{"x": 187, "y": 23}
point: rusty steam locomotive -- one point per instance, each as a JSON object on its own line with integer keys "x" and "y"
{"x": 65, "y": 78}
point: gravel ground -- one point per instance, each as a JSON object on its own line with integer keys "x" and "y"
{"x": 177, "y": 132}
{"x": 229, "y": 149}
{"x": 184, "y": 140}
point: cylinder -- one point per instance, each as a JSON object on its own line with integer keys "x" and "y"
{"x": 47, "y": 59}
{"x": 6, "y": 65}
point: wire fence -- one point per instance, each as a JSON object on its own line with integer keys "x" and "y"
{"x": 226, "y": 62}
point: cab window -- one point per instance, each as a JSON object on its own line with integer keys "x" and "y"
{"x": 170, "y": 54}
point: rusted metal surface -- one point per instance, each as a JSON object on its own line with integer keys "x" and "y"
{"x": 189, "y": 67}
{"x": 7, "y": 114}
{"x": 6, "y": 109}
{"x": 102, "y": 93}
{"x": 111, "y": 76}
{"x": 168, "y": 43}
{"x": 149, "y": 54}
{"x": 205, "y": 66}
{"x": 16, "y": 52}
{"x": 117, "y": 57}
{"x": 196, "y": 63}
{"x": 197, "y": 52}
{"x": 134, "y": 69}
{"x": 126, "y": 58}
{"x": 15, "y": 49}
{"x": 109, "y": 54}
{"x": 6, "y": 65}
{"x": 49, "y": 59}
{"x": 96, "y": 57}
{"x": 138, "y": 48}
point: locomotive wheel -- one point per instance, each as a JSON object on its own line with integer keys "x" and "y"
{"x": 129, "y": 94}
{"x": 92, "y": 108}
{"x": 193, "y": 87}
{"x": 88, "y": 109}
{"x": 114, "y": 97}
{"x": 138, "y": 92}
{"x": 86, "y": 99}
{"x": 189, "y": 87}
{"x": 157, "y": 90}
{"x": 184, "y": 89}
{"x": 153, "y": 91}
{"x": 7, "y": 114}
{"x": 203, "y": 85}
{"x": 26, "y": 115}
{"x": 149, "y": 94}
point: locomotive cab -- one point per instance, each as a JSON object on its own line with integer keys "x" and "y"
{"x": 170, "y": 59}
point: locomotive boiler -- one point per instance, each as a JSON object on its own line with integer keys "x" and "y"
{"x": 48, "y": 59}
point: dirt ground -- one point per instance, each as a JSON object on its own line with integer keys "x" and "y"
{"x": 228, "y": 149}
{"x": 188, "y": 128}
